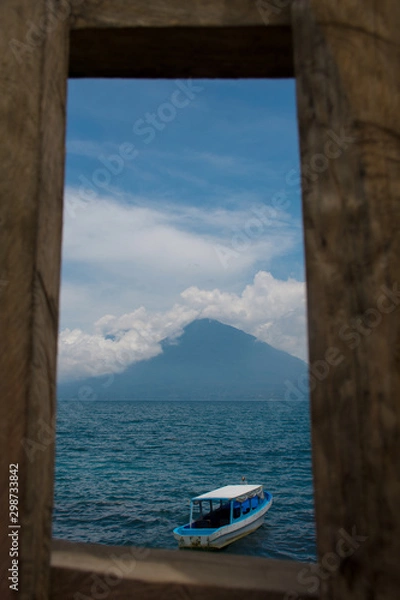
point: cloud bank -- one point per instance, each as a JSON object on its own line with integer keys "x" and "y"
{"x": 129, "y": 251}
{"x": 270, "y": 309}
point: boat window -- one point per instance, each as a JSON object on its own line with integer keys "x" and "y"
{"x": 254, "y": 502}
{"x": 236, "y": 510}
{"x": 197, "y": 509}
{"x": 246, "y": 507}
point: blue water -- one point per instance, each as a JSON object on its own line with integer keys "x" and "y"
{"x": 125, "y": 471}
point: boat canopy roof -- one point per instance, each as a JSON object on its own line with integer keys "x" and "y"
{"x": 232, "y": 492}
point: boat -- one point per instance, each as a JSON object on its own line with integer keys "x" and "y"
{"x": 224, "y": 515}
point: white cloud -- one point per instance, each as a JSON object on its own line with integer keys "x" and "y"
{"x": 139, "y": 251}
{"x": 107, "y": 232}
{"x": 274, "y": 311}
{"x": 270, "y": 309}
{"x": 118, "y": 341}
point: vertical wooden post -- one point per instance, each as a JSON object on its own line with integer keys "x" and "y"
{"x": 347, "y": 63}
{"x": 33, "y": 71}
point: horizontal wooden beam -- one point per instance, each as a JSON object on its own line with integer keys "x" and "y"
{"x": 86, "y": 570}
{"x": 204, "y": 38}
{"x": 100, "y": 14}
{"x": 175, "y": 52}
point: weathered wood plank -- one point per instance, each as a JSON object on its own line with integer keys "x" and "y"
{"x": 86, "y": 570}
{"x": 33, "y": 69}
{"x": 172, "y": 52}
{"x": 347, "y": 63}
{"x": 100, "y": 14}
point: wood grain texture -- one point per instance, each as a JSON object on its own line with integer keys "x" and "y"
{"x": 33, "y": 69}
{"x": 347, "y": 63}
{"x": 175, "y": 52}
{"x": 100, "y": 14}
{"x": 86, "y": 570}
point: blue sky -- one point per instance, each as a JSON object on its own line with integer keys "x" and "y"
{"x": 182, "y": 200}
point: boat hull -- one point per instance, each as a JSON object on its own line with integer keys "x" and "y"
{"x": 219, "y": 538}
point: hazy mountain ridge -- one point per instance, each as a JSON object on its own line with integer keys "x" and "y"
{"x": 210, "y": 360}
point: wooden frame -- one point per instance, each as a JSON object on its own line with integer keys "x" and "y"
{"x": 347, "y": 64}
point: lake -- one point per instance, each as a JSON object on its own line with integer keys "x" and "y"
{"x": 125, "y": 471}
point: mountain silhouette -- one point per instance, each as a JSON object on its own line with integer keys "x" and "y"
{"x": 209, "y": 361}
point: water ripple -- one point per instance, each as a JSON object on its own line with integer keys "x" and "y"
{"x": 125, "y": 471}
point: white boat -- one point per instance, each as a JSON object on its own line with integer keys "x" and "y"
{"x": 223, "y": 516}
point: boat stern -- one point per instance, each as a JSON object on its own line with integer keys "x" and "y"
{"x": 192, "y": 538}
